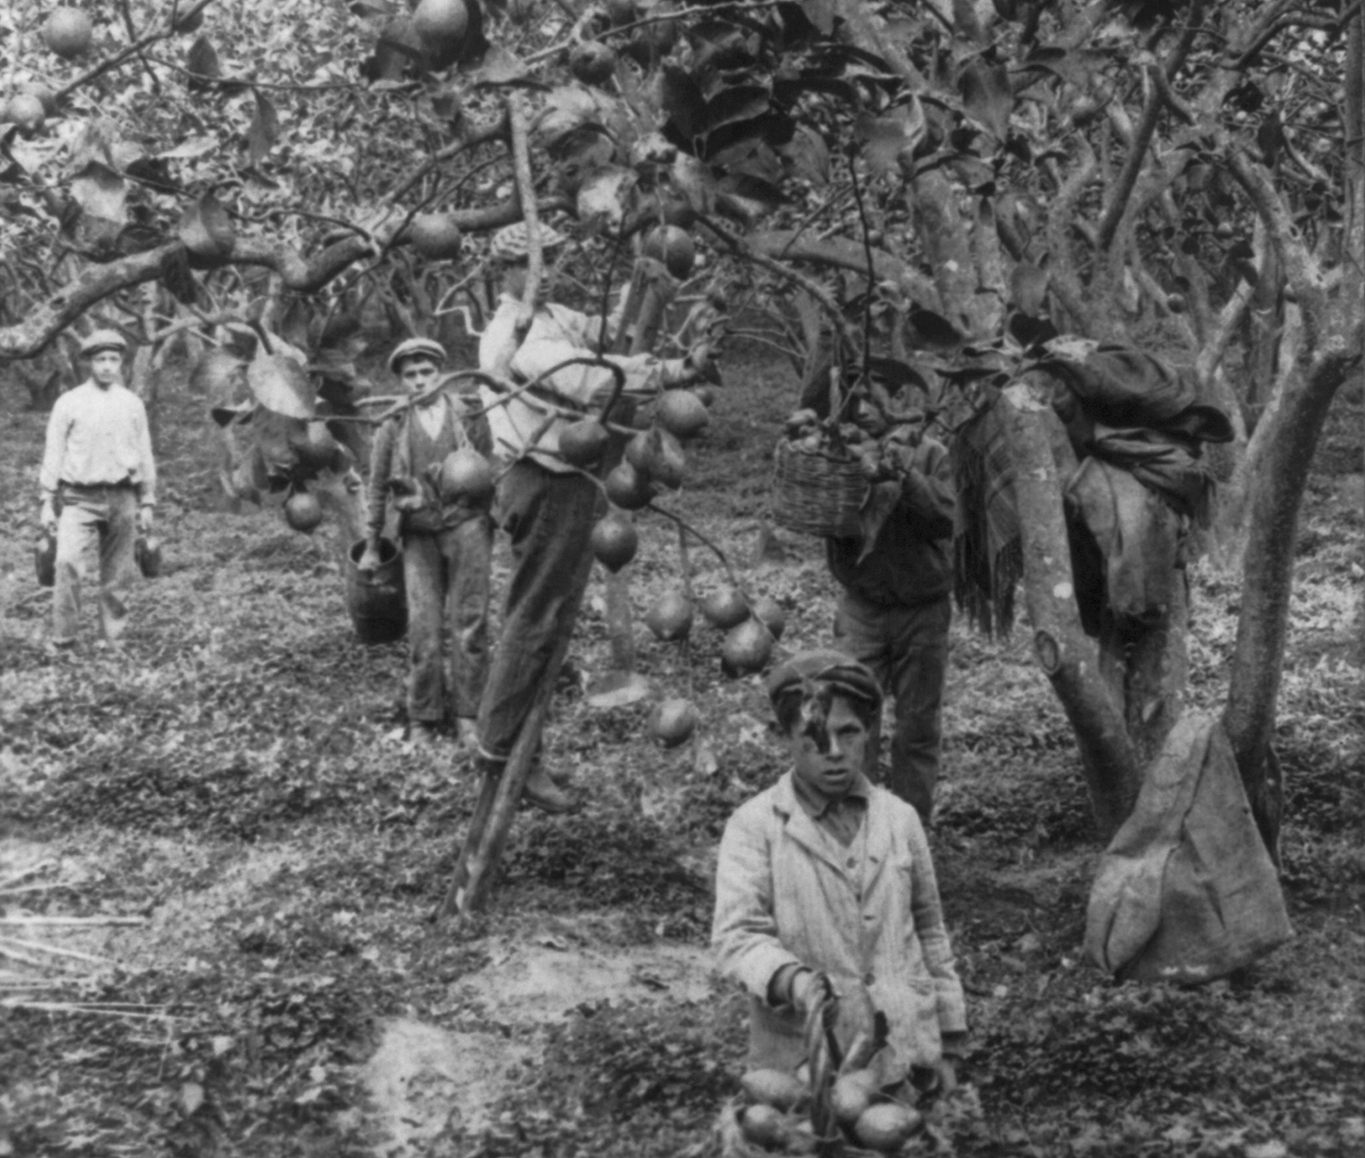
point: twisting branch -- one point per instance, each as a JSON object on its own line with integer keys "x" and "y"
{"x": 744, "y": 249}
{"x": 526, "y": 198}
{"x": 1146, "y": 128}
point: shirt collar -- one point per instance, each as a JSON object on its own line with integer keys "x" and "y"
{"x": 816, "y": 803}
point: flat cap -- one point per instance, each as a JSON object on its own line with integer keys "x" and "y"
{"x": 414, "y": 346}
{"x": 829, "y": 666}
{"x": 103, "y": 340}
{"x": 513, "y": 243}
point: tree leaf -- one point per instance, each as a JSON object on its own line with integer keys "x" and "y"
{"x": 807, "y": 156}
{"x": 694, "y": 181}
{"x": 100, "y": 192}
{"x": 206, "y": 230}
{"x": 741, "y": 102}
{"x": 604, "y": 196}
{"x": 682, "y": 102}
{"x": 618, "y": 690}
{"x": 1028, "y": 287}
{"x": 886, "y": 138}
{"x": 987, "y": 96}
{"x": 191, "y": 149}
{"x": 264, "y": 130}
{"x": 280, "y": 382}
{"x": 202, "y": 64}
{"x": 820, "y": 13}
{"x": 191, "y": 1097}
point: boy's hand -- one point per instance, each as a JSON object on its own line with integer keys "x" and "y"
{"x": 809, "y": 988}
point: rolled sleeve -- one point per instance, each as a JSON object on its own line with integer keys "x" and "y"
{"x": 54, "y": 448}
{"x": 744, "y": 932}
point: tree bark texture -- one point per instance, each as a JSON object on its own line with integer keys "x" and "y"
{"x": 1276, "y": 494}
{"x": 1069, "y": 658}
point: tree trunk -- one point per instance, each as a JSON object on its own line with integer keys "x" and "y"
{"x": 1068, "y": 657}
{"x": 1275, "y": 494}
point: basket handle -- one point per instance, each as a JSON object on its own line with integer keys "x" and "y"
{"x": 822, "y": 1055}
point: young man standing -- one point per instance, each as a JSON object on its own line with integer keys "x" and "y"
{"x": 895, "y": 608}
{"x": 98, "y": 466}
{"x": 546, "y": 508}
{"x": 447, "y": 545}
{"x": 825, "y": 886}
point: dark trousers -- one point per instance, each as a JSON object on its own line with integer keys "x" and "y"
{"x": 548, "y": 517}
{"x": 446, "y": 574}
{"x": 907, "y": 648}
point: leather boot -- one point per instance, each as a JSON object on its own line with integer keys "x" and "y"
{"x": 540, "y": 790}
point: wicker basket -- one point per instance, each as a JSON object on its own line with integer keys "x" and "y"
{"x": 825, "y": 1139}
{"x": 817, "y": 492}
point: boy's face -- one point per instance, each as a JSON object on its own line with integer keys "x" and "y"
{"x": 106, "y": 367}
{"x": 514, "y": 277}
{"x": 829, "y": 755}
{"x": 418, "y": 374}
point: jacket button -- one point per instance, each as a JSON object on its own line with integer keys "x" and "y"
{"x": 851, "y": 863}
{"x": 869, "y": 978}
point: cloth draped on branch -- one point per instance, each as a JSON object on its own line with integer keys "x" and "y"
{"x": 1126, "y": 414}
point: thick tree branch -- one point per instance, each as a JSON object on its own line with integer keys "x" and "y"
{"x": 1276, "y": 496}
{"x": 842, "y": 253}
{"x": 1302, "y": 272}
{"x": 1068, "y": 657}
{"x": 27, "y": 338}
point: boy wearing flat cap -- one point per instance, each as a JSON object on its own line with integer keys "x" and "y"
{"x": 98, "y": 469}
{"x": 447, "y": 546}
{"x": 825, "y": 884}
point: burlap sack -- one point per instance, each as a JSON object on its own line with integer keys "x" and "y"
{"x": 1186, "y": 891}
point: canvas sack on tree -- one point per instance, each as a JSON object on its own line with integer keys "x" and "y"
{"x": 1186, "y": 890}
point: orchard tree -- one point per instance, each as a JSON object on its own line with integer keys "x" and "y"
{"x": 984, "y": 190}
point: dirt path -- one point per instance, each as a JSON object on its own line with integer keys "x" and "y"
{"x": 423, "y": 1079}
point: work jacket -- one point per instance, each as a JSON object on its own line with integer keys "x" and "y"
{"x": 905, "y": 555}
{"x": 867, "y": 916}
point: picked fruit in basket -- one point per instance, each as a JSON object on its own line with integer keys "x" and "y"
{"x": 801, "y": 422}
{"x": 670, "y": 618}
{"x": 887, "y": 1126}
{"x": 774, "y": 1088}
{"x": 851, "y": 1095}
{"x": 765, "y": 1126}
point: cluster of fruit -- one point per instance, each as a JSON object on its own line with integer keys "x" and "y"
{"x": 778, "y": 1114}
{"x": 751, "y": 629}
{"x": 653, "y": 458}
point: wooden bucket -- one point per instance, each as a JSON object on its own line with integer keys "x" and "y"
{"x": 376, "y": 599}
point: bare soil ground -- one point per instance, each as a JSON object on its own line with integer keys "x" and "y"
{"x": 235, "y": 782}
